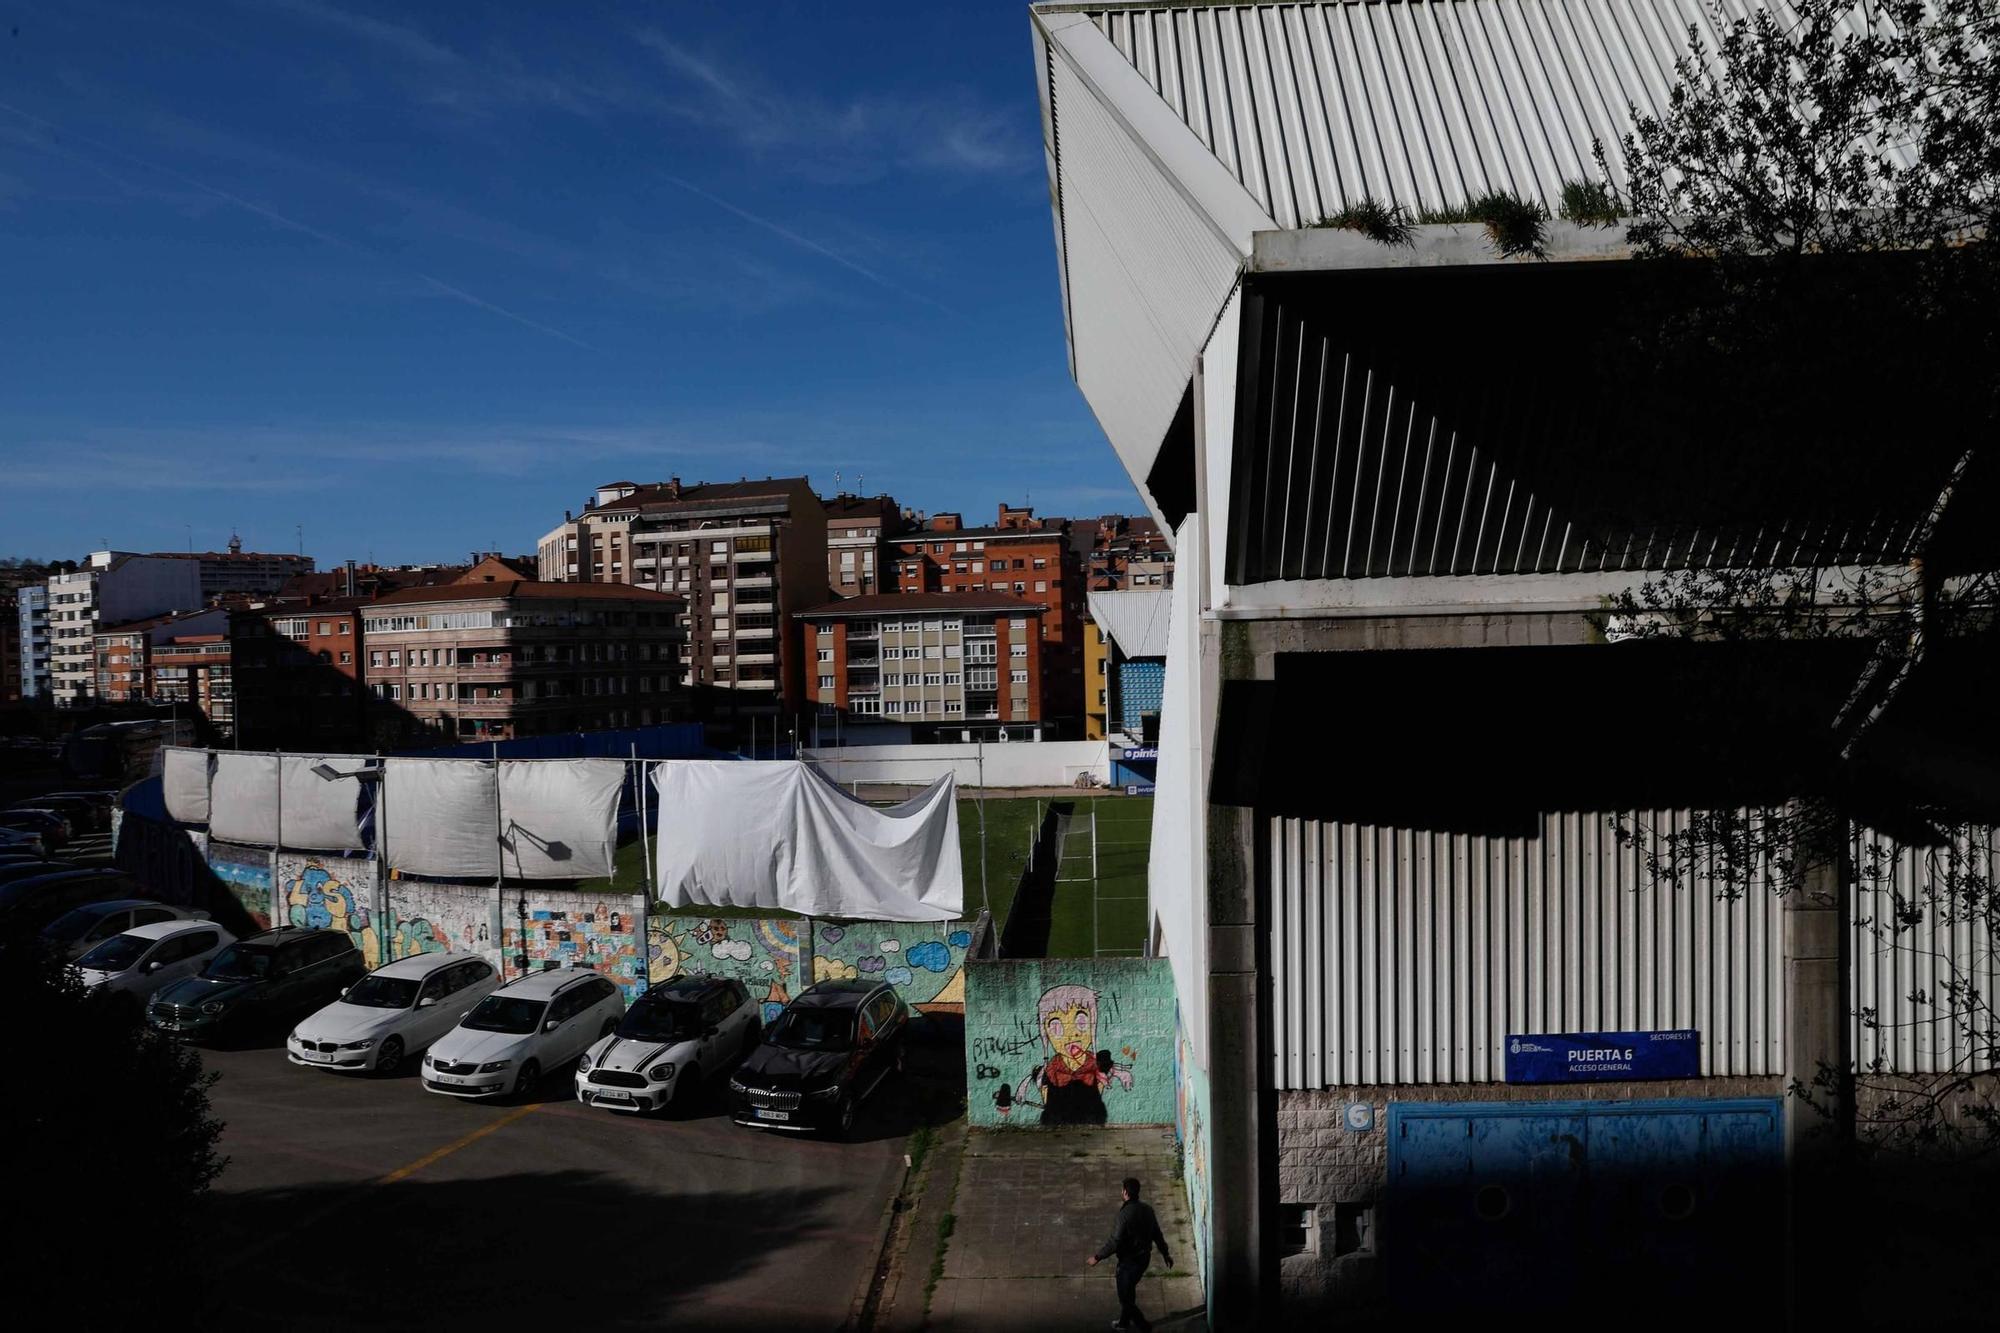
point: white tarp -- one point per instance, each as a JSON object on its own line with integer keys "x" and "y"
{"x": 243, "y": 801}
{"x": 322, "y": 814}
{"x": 441, "y": 818}
{"x": 559, "y": 817}
{"x": 184, "y": 784}
{"x": 1176, "y": 875}
{"x": 780, "y": 835}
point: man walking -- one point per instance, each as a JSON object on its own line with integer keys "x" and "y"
{"x": 1133, "y": 1237}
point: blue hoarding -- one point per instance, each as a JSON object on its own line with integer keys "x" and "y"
{"x": 1587, "y": 1057}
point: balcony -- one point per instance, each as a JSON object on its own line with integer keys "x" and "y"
{"x": 755, "y": 683}
{"x": 756, "y": 631}
{"x": 754, "y": 581}
{"x": 753, "y": 608}
{"x": 756, "y": 659}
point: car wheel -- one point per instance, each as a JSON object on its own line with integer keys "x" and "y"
{"x": 529, "y": 1077}
{"x": 687, "y": 1087}
{"x": 749, "y": 1045}
{"x": 844, "y": 1126}
{"x": 610, "y": 1026}
{"x": 390, "y": 1058}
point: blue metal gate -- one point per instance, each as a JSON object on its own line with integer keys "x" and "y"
{"x": 1630, "y": 1209}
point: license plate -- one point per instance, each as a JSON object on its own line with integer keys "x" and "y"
{"x": 317, "y": 1057}
{"x": 763, "y": 1114}
{"x": 614, "y": 1096}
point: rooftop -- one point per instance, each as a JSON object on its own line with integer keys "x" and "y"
{"x": 915, "y": 603}
{"x": 525, "y": 590}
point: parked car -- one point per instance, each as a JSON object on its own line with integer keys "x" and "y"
{"x": 82, "y": 816}
{"x": 29, "y": 867}
{"x": 541, "y": 1022}
{"x": 670, "y": 1040}
{"x": 31, "y": 903}
{"x": 99, "y": 803}
{"x": 394, "y": 1011}
{"x": 81, "y": 929}
{"x": 22, "y": 840}
{"x": 270, "y": 978}
{"x": 52, "y": 827}
{"x": 829, "y": 1049}
{"x": 148, "y": 958}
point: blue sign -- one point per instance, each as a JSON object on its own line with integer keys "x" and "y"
{"x": 1590, "y": 1057}
{"x": 1141, "y": 752}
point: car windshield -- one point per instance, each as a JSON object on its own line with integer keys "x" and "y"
{"x": 72, "y": 924}
{"x": 382, "y": 993}
{"x": 116, "y": 954}
{"x": 240, "y": 962}
{"x": 661, "y": 1021}
{"x": 506, "y": 1013}
{"x": 814, "y": 1029}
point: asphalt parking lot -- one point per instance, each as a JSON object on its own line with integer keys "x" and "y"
{"x": 353, "y": 1201}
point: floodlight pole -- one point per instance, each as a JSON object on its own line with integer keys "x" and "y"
{"x": 645, "y": 874}
{"x": 984, "y": 900}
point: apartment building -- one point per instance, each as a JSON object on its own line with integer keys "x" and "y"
{"x": 298, "y": 679}
{"x": 112, "y": 587}
{"x": 1129, "y": 553}
{"x": 948, "y": 664}
{"x": 1019, "y": 556}
{"x": 31, "y": 619}
{"x": 858, "y": 529}
{"x": 126, "y": 656}
{"x": 523, "y": 657}
{"x": 237, "y": 571}
{"x": 745, "y": 556}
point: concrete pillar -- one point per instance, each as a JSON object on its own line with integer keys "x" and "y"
{"x": 1819, "y": 1062}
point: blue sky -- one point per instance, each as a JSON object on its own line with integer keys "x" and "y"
{"x": 417, "y": 277}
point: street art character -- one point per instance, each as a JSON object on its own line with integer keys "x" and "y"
{"x": 1074, "y": 1076}
{"x": 318, "y": 901}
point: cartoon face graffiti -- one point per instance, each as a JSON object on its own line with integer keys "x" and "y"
{"x": 1071, "y": 1029}
{"x": 1073, "y": 1077}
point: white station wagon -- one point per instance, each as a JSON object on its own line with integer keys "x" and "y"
{"x": 393, "y": 1012}
{"x": 541, "y": 1022}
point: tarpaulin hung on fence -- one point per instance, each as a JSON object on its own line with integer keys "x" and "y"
{"x": 184, "y": 777}
{"x": 322, "y": 814}
{"x": 779, "y": 835}
{"x": 243, "y": 799}
{"x": 559, "y": 817}
{"x": 442, "y": 818}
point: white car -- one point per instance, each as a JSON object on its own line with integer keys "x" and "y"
{"x": 149, "y": 957}
{"x": 78, "y": 931}
{"x": 673, "y": 1037}
{"x": 395, "y": 1010}
{"x": 541, "y": 1022}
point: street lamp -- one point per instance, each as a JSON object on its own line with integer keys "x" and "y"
{"x": 372, "y": 773}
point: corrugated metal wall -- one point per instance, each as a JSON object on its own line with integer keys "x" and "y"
{"x": 1425, "y": 103}
{"x": 1146, "y": 273}
{"x": 1936, "y": 945}
{"x": 1401, "y": 956}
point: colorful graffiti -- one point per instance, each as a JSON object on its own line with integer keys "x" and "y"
{"x": 1191, "y": 1133}
{"x": 571, "y": 930}
{"x": 246, "y": 873}
{"x": 1070, "y": 1042}
{"x": 321, "y": 894}
{"x": 924, "y": 962}
{"x": 432, "y": 917}
{"x": 761, "y": 952}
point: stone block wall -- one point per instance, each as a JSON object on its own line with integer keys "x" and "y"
{"x": 1070, "y": 1041}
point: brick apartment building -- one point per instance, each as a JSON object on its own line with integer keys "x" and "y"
{"x": 1129, "y": 553}
{"x": 520, "y": 657}
{"x": 745, "y": 556}
{"x": 858, "y": 554}
{"x": 948, "y": 664}
{"x": 1020, "y": 556}
{"x": 298, "y": 673}
{"x": 125, "y": 655}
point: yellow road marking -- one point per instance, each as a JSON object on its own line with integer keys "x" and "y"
{"x": 402, "y": 1171}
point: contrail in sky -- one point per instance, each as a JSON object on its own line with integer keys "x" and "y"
{"x": 806, "y": 242}
{"x": 276, "y": 218}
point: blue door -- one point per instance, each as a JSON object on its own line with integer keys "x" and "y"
{"x": 1554, "y": 1207}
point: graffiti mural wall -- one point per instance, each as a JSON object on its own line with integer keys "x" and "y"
{"x": 1191, "y": 1133}
{"x": 432, "y": 917}
{"x": 761, "y": 952}
{"x": 572, "y": 930}
{"x": 925, "y": 962}
{"x": 332, "y": 893}
{"x": 1055, "y": 1041}
{"x": 246, "y": 872}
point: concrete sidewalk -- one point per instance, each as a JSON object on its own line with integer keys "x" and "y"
{"x": 1033, "y": 1206}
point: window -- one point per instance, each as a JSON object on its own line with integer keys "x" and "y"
{"x": 937, "y": 548}
{"x": 933, "y": 652}
{"x": 1018, "y": 677}
{"x": 1041, "y": 562}
{"x": 395, "y": 691}
{"x": 395, "y": 657}
{"x": 1041, "y": 585}
{"x": 997, "y": 565}
{"x": 1018, "y": 622}
{"x": 325, "y": 628}
{"x": 826, "y": 682}
{"x": 347, "y": 659}
{"x": 347, "y": 627}
{"x": 826, "y": 654}
{"x": 951, "y": 678}
{"x": 892, "y": 705}
{"x": 1017, "y": 650}
{"x": 953, "y": 706}
{"x": 979, "y": 566}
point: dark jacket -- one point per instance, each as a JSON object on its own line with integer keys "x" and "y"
{"x": 1134, "y": 1235}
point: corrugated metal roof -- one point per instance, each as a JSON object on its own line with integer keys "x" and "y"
{"x": 1426, "y": 103}
{"x": 1137, "y": 620}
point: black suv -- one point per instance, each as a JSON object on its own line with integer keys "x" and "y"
{"x": 269, "y": 980}
{"x": 826, "y": 1052}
